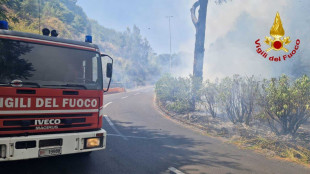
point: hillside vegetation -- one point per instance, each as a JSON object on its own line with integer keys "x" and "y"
{"x": 135, "y": 61}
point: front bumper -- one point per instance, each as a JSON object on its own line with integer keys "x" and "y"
{"x": 71, "y": 143}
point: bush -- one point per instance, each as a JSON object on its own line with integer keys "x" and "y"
{"x": 175, "y": 93}
{"x": 286, "y": 105}
{"x": 209, "y": 97}
{"x": 237, "y": 96}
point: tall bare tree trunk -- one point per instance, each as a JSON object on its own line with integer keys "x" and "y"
{"x": 200, "y": 25}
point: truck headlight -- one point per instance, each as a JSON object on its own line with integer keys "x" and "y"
{"x": 93, "y": 142}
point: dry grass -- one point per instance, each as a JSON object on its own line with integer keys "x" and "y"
{"x": 274, "y": 148}
{"x": 244, "y": 138}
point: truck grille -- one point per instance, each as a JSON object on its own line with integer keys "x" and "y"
{"x": 50, "y": 142}
{"x": 25, "y": 123}
{"x": 34, "y": 128}
{"x": 17, "y": 124}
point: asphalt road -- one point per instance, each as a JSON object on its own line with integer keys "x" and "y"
{"x": 141, "y": 140}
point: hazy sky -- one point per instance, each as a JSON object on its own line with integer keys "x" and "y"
{"x": 149, "y": 16}
{"x": 232, "y": 29}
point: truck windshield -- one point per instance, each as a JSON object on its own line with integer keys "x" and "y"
{"x": 49, "y": 66}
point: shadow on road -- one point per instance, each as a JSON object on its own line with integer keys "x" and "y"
{"x": 145, "y": 151}
{"x": 163, "y": 150}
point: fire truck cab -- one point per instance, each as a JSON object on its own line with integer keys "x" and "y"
{"x": 51, "y": 95}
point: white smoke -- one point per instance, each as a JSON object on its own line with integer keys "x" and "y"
{"x": 231, "y": 31}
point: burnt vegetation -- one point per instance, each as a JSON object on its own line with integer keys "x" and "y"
{"x": 280, "y": 103}
{"x": 263, "y": 114}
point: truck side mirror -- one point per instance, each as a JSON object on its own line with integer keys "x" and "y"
{"x": 109, "y": 70}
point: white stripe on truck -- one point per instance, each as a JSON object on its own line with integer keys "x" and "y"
{"x": 48, "y": 111}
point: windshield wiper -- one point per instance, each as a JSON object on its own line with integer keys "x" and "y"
{"x": 70, "y": 85}
{"x": 4, "y": 84}
{"x": 27, "y": 83}
{"x": 20, "y": 83}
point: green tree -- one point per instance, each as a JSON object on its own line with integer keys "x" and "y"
{"x": 4, "y": 6}
{"x": 29, "y": 9}
{"x": 286, "y": 105}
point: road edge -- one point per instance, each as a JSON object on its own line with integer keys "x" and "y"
{"x": 200, "y": 129}
{"x": 197, "y": 128}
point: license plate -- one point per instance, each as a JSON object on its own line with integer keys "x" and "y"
{"x": 50, "y": 152}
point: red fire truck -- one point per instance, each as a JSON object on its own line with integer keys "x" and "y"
{"x": 51, "y": 95}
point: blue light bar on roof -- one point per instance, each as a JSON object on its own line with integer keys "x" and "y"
{"x": 89, "y": 39}
{"x": 4, "y": 25}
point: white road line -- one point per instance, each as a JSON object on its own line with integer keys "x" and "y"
{"x": 108, "y": 120}
{"x": 175, "y": 171}
{"x": 106, "y": 105}
{"x": 137, "y": 93}
{"x": 137, "y": 137}
{"x": 124, "y": 97}
{"x": 114, "y": 128}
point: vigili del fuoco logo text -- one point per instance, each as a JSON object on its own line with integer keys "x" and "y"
{"x": 277, "y": 42}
